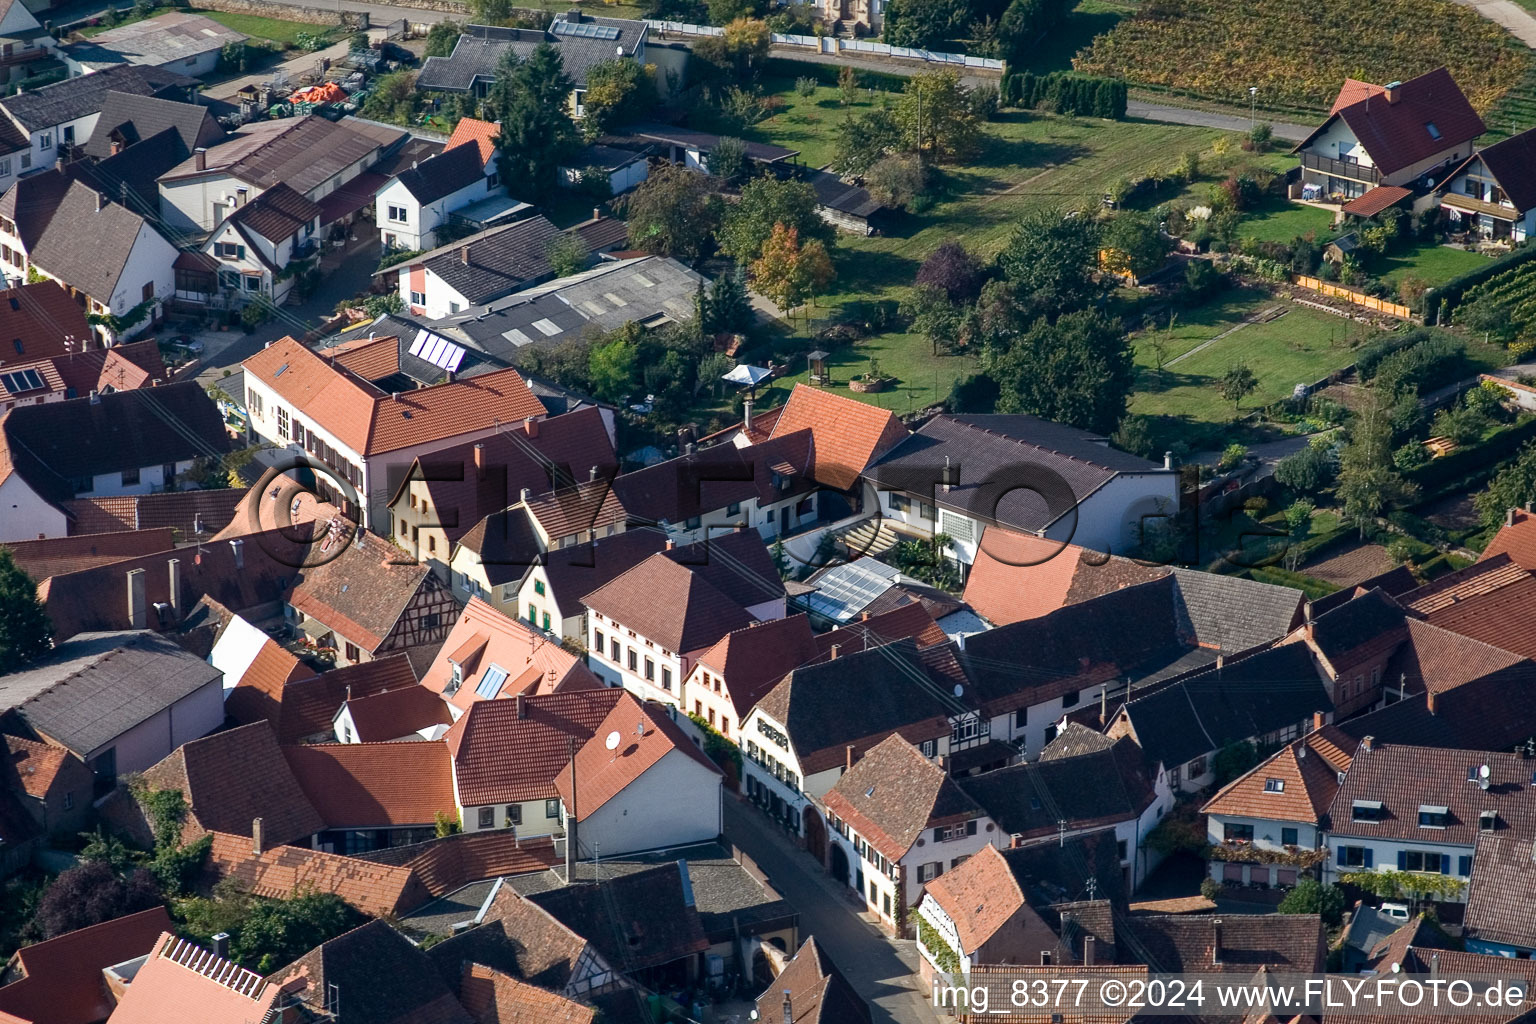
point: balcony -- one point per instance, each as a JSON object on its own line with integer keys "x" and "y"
{"x": 1341, "y": 168}
{"x": 1468, "y": 204}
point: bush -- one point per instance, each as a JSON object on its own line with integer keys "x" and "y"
{"x": 1231, "y": 456}
{"x": 1067, "y": 93}
{"x": 1209, "y": 887}
{"x": 1311, "y": 897}
{"x": 805, "y": 86}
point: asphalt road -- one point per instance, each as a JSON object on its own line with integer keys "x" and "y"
{"x": 881, "y": 969}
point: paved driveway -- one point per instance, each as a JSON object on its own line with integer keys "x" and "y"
{"x": 883, "y": 970}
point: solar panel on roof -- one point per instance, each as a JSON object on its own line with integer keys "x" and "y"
{"x": 583, "y": 30}
{"x": 437, "y": 350}
{"x": 490, "y": 683}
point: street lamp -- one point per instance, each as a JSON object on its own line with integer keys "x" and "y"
{"x": 1253, "y": 106}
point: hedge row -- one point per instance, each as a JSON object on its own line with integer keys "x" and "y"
{"x": 1066, "y": 93}
{"x": 826, "y": 74}
{"x": 1451, "y": 291}
{"x": 1472, "y": 464}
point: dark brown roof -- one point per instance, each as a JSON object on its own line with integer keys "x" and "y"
{"x": 374, "y": 785}
{"x": 480, "y": 738}
{"x": 233, "y": 777}
{"x": 669, "y": 604}
{"x": 636, "y": 921}
{"x": 1501, "y": 900}
{"x": 40, "y": 316}
{"x": 362, "y": 592}
{"x": 113, "y": 229}
{"x": 817, "y": 991}
{"x": 1176, "y": 943}
{"x": 277, "y": 214}
{"x": 494, "y": 262}
{"x": 380, "y": 976}
{"x": 1405, "y": 778}
{"x": 41, "y": 559}
{"x": 1091, "y": 789}
{"x": 493, "y": 997}
{"x": 393, "y": 714}
{"x": 546, "y": 950}
{"x": 454, "y": 168}
{"x": 1512, "y": 162}
{"x": 893, "y": 793}
{"x": 1377, "y": 199}
{"x": 1430, "y": 116}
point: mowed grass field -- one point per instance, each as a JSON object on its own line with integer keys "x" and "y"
{"x": 1299, "y": 347}
{"x": 1030, "y": 162}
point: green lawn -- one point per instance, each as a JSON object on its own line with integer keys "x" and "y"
{"x": 1434, "y": 263}
{"x": 1281, "y": 221}
{"x": 1031, "y": 161}
{"x": 283, "y": 33}
{"x": 1298, "y": 348}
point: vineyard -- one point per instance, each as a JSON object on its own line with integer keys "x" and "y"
{"x": 1298, "y": 54}
{"x": 1510, "y": 296}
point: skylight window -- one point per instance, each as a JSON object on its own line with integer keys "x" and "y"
{"x": 490, "y": 683}
{"x": 1431, "y": 816}
{"x": 1274, "y": 785}
{"x": 1368, "y": 810}
{"x": 281, "y": 370}
{"x": 1434, "y": 132}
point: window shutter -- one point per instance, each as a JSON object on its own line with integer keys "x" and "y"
{"x": 1464, "y": 866}
{"x": 1402, "y": 860}
{"x": 1445, "y": 863}
{"x": 970, "y": 827}
{"x": 1370, "y": 857}
{"x": 938, "y": 835}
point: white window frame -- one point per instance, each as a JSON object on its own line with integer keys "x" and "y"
{"x": 396, "y": 214}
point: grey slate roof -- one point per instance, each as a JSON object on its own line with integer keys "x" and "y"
{"x": 96, "y": 686}
{"x": 613, "y": 294}
{"x": 134, "y": 118}
{"x": 1235, "y": 614}
{"x": 77, "y": 97}
{"x": 174, "y": 35}
{"x": 493, "y": 263}
{"x": 1248, "y": 698}
{"x": 690, "y": 138}
{"x": 993, "y": 459}
{"x": 1094, "y": 787}
{"x": 1501, "y": 900}
{"x": 138, "y": 167}
{"x": 443, "y": 174}
{"x": 480, "y": 49}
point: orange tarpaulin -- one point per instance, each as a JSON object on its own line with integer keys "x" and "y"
{"x": 330, "y": 92}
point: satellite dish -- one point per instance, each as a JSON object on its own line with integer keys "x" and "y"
{"x": 612, "y": 741}
{"x": 640, "y": 728}
{"x": 1484, "y": 771}
{"x": 959, "y": 690}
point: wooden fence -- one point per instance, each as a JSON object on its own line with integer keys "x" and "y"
{"x": 1350, "y": 295}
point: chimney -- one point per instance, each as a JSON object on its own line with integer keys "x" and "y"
{"x": 834, "y": 652}
{"x": 464, "y": 255}
{"x": 1368, "y": 744}
{"x": 1216, "y": 941}
{"x": 530, "y": 426}
{"x": 256, "y": 837}
{"x": 522, "y": 706}
{"x": 1530, "y": 507}
{"x": 1317, "y": 720}
{"x": 117, "y": 146}
{"x": 1306, "y": 611}
{"x": 95, "y": 397}
{"x": 174, "y": 568}
{"x": 394, "y": 396}
{"x": 136, "y": 606}
{"x": 1429, "y": 700}
{"x": 1509, "y": 516}
{"x": 949, "y": 479}
{"x": 789, "y": 1010}
{"x": 1015, "y": 840}
{"x": 1221, "y": 661}
{"x": 1394, "y": 92}
{"x": 524, "y": 495}
{"x": 597, "y": 213}
{"x": 746, "y": 414}
{"x": 221, "y": 945}
{"x": 1434, "y": 964}
{"x": 101, "y": 201}
{"x": 58, "y": 163}
{"x": 1088, "y": 950}
{"x": 237, "y": 546}
{"x": 199, "y": 159}
{"x": 1168, "y": 460}
{"x": 671, "y": 544}
{"x": 479, "y": 458}
{"x": 848, "y": 756}
{"x": 574, "y": 15}
{"x": 592, "y": 475}
{"x": 863, "y": 616}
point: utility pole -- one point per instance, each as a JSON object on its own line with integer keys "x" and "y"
{"x": 1253, "y": 107}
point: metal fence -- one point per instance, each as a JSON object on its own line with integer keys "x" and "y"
{"x": 831, "y": 45}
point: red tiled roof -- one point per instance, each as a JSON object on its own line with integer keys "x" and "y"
{"x": 178, "y": 509}
{"x": 40, "y": 316}
{"x": 586, "y": 506}
{"x": 893, "y": 793}
{"x": 1517, "y": 540}
{"x": 62, "y": 982}
{"x": 480, "y": 739}
{"x": 309, "y": 706}
{"x": 377, "y": 889}
{"x": 393, "y": 714}
{"x": 602, "y": 774}
{"x": 750, "y": 661}
{"x": 1018, "y": 576}
{"x": 37, "y": 766}
{"x": 232, "y": 777}
{"x": 481, "y": 133}
{"x": 369, "y": 358}
{"x": 259, "y": 693}
{"x": 910, "y": 620}
{"x": 452, "y": 862}
{"x": 41, "y": 559}
{"x": 670, "y": 604}
{"x": 182, "y": 983}
{"x": 1308, "y": 773}
{"x": 847, "y": 435}
{"x": 483, "y": 637}
{"x": 1397, "y": 134}
{"x": 1403, "y": 778}
{"x": 1501, "y": 618}
{"x": 818, "y": 993}
{"x": 1376, "y": 200}
{"x": 980, "y": 896}
{"x": 492, "y": 997}
{"x": 1484, "y": 576}
{"x": 362, "y": 785}
{"x": 370, "y": 422}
